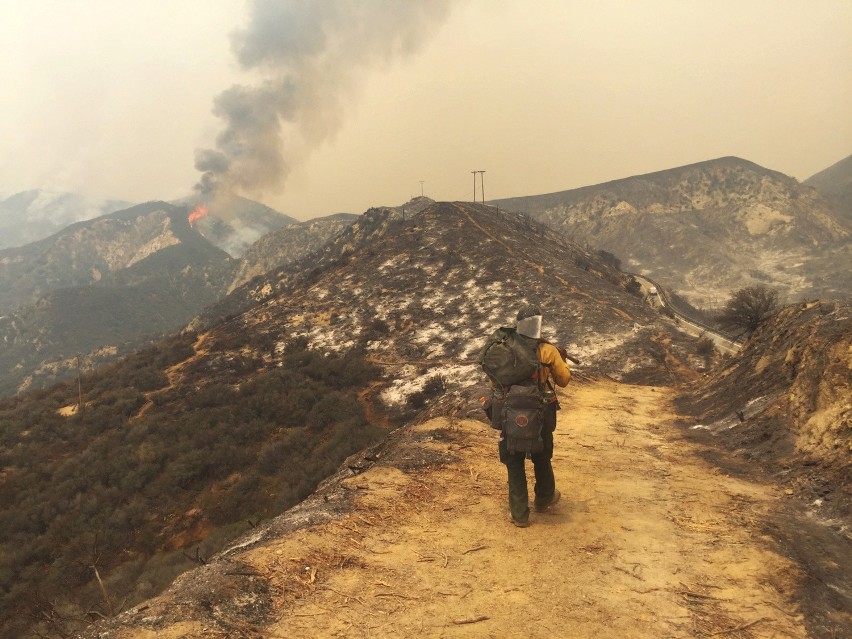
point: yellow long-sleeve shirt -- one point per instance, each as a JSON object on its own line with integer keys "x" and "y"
{"x": 553, "y": 364}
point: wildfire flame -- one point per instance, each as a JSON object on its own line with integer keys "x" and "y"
{"x": 197, "y": 213}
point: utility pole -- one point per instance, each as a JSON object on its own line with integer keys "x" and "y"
{"x": 482, "y": 183}
{"x": 421, "y": 188}
{"x": 474, "y": 184}
{"x": 79, "y": 388}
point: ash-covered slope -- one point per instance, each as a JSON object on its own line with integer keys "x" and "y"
{"x": 707, "y": 229}
{"x": 288, "y": 244}
{"x": 792, "y": 386}
{"x": 420, "y": 294}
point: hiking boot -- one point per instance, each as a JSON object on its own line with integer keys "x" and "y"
{"x": 540, "y": 508}
{"x": 521, "y": 523}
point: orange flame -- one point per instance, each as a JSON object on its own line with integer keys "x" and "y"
{"x": 197, "y": 213}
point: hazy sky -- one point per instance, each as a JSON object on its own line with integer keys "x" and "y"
{"x": 116, "y": 99}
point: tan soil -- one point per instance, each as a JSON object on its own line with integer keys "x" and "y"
{"x": 173, "y": 374}
{"x": 648, "y": 541}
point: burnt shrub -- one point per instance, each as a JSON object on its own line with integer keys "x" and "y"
{"x": 609, "y": 259}
{"x": 705, "y": 346}
{"x": 582, "y": 262}
{"x": 633, "y": 287}
{"x": 375, "y": 331}
{"x": 430, "y": 390}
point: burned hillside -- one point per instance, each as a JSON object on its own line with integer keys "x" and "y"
{"x": 420, "y": 293}
{"x": 785, "y": 403}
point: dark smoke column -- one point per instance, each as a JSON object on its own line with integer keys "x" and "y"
{"x": 309, "y": 55}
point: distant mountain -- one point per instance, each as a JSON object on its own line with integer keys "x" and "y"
{"x": 103, "y": 287}
{"x": 29, "y": 216}
{"x": 99, "y": 287}
{"x": 234, "y": 223}
{"x": 95, "y": 251}
{"x": 709, "y": 228}
{"x": 835, "y": 185}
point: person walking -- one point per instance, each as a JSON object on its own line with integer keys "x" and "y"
{"x": 550, "y": 365}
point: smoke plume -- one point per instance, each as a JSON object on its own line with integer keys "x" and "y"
{"x": 307, "y": 57}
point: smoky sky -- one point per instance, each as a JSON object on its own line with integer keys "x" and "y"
{"x": 306, "y": 58}
{"x": 322, "y": 106}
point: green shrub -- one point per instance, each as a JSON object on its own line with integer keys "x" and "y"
{"x": 99, "y": 485}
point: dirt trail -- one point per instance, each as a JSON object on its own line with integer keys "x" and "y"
{"x": 648, "y": 541}
{"x": 172, "y": 375}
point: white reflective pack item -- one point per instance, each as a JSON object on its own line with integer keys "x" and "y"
{"x": 530, "y": 326}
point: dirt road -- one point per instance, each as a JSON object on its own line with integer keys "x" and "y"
{"x": 648, "y": 541}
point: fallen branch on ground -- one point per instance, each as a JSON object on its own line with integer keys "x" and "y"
{"x": 461, "y": 622}
{"x": 470, "y": 550}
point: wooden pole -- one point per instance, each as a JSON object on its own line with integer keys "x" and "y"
{"x": 79, "y": 388}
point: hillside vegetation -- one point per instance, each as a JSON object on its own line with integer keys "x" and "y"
{"x": 144, "y": 481}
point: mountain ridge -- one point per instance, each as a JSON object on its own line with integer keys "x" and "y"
{"x": 835, "y": 184}
{"x": 100, "y": 288}
{"x": 28, "y": 216}
{"x": 707, "y": 229}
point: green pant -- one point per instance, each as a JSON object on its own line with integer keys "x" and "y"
{"x": 545, "y": 483}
